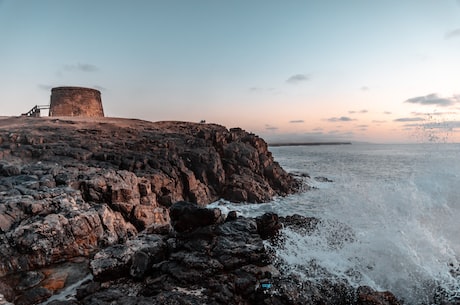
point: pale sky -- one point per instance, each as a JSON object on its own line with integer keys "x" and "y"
{"x": 355, "y": 70}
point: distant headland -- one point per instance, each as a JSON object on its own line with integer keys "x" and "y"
{"x": 308, "y": 144}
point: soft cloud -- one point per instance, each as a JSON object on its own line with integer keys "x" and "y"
{"x": 443, "y": 125}
{"x": 296, "y": 121}
{"x": 409, "y": 120}
{"x": 387, "y": 112}
{"x": 341, "y": 119}
{"x": 341, "y": 134}
{"x": 83, "y": 67}
{"x": 261, "y": 90}
{"x": 452, "y": 34}
{"x": 431, "y": 114}
{"x": 298, "y": 78}
{"x": 270, "y": 127}
{"x": 378, "y": 121}
{"x": 360, "y": 111}
{"x": 44, "y": 87}
{"x": 434, "y": 99}
{"x": 364, "y": 88}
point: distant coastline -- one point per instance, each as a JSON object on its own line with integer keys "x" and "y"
{"x": 309, "y": 144}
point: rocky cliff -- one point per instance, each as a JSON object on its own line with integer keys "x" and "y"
{"x": 71, "y": 186}
{"x": 97, "y": 208}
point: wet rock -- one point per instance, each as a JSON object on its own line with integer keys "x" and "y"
{"x": 268, "y": 225}
{"x": 300, "y": 223}
{"x": 30, "y": 279}
{"x": 86, "y": 289}
{"x": 6, "y": 292}
{"x": 186, "y": 216}
{"x": 323, "y": 179}
{"x": 368, "y": 296}
{"x": 132, "y": 258}
{"x": 33, "y": 296}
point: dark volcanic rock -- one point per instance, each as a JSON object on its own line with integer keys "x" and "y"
{"x": 187, "y": 216}
{"x": 368, "y": 296}
{"x": 220, "y": 263}
{"x": 268, "y": 225}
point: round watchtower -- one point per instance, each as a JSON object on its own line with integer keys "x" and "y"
{"x": 76, "y": 101}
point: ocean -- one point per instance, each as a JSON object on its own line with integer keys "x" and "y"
{"x": 390, "y": 217}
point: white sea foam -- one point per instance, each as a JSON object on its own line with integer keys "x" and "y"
{"x": 402, "y": 203}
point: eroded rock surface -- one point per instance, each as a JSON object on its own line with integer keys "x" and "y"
{"x": 220, "y": 262}
{"x": 72, "y": 186}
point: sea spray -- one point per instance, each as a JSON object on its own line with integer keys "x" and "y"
{"x": 402, "y": 203}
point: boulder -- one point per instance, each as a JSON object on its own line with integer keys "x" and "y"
{"x": 186, "y": 216}
{"x": 268, "y": 225}
{"x": 368, "y": 296}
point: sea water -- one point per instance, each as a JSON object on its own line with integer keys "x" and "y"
{"x": 390, "y": 217}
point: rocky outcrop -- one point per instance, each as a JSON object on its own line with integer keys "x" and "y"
{"x": 216, "y": 262}
{"x": 70, "y": 187}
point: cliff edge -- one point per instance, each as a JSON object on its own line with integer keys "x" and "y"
{"x": 71, "y": 186}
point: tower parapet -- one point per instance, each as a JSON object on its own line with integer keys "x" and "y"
{"x": 76, "y": 102}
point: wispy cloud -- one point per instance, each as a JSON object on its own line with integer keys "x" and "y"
{"x": 43, "y": 86}
{"x": 341, "y": 134}
{"x": 298, "y": 78}
{"x": 443, "y": 125}
{"x": 378, "y": 121}
{"x": 83, "y": 67}
{"x": 359, "y": 111}
{"x": 431, "y": 114}
{"x": 260, "y": 90}
{"x": 452, "y": 34}
{"x": 341, "y": 119}
{"x": 434, "y": 99}
{"x": 409, "y": 120}
{"x": 364, "y": 88}
{"x": 270, "y": 127}
{"x": 297, "y": 121}
{"x": 387, "y": 112}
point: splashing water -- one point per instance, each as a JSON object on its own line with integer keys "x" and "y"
{"x": 401, "y": 204}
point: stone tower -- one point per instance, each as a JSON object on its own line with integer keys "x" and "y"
{"x": 76, "y": 101}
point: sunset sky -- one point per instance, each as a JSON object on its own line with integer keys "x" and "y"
{"x": 356, "y": 70}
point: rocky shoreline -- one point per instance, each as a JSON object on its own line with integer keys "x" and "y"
{"x": 113, "y": 208}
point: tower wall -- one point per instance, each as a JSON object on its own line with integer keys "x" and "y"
{"x": 76, "y": 101}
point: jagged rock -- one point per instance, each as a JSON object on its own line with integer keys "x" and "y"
{"x": 186, "y": 216}
{"x": 323, "y": 179}
{"x": 71, "y": 187}
{"x": 268, "y": 225}
{"x": 300, "y": 223}
{"x": 220, "y": 263}
{"x": 368, "y": 296}
{"x": 33, "y": 296}
{"x": 6, "y": 292}
{"x": 134, "y": 257}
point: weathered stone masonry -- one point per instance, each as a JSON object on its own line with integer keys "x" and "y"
{"x": 76, "y": 102}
